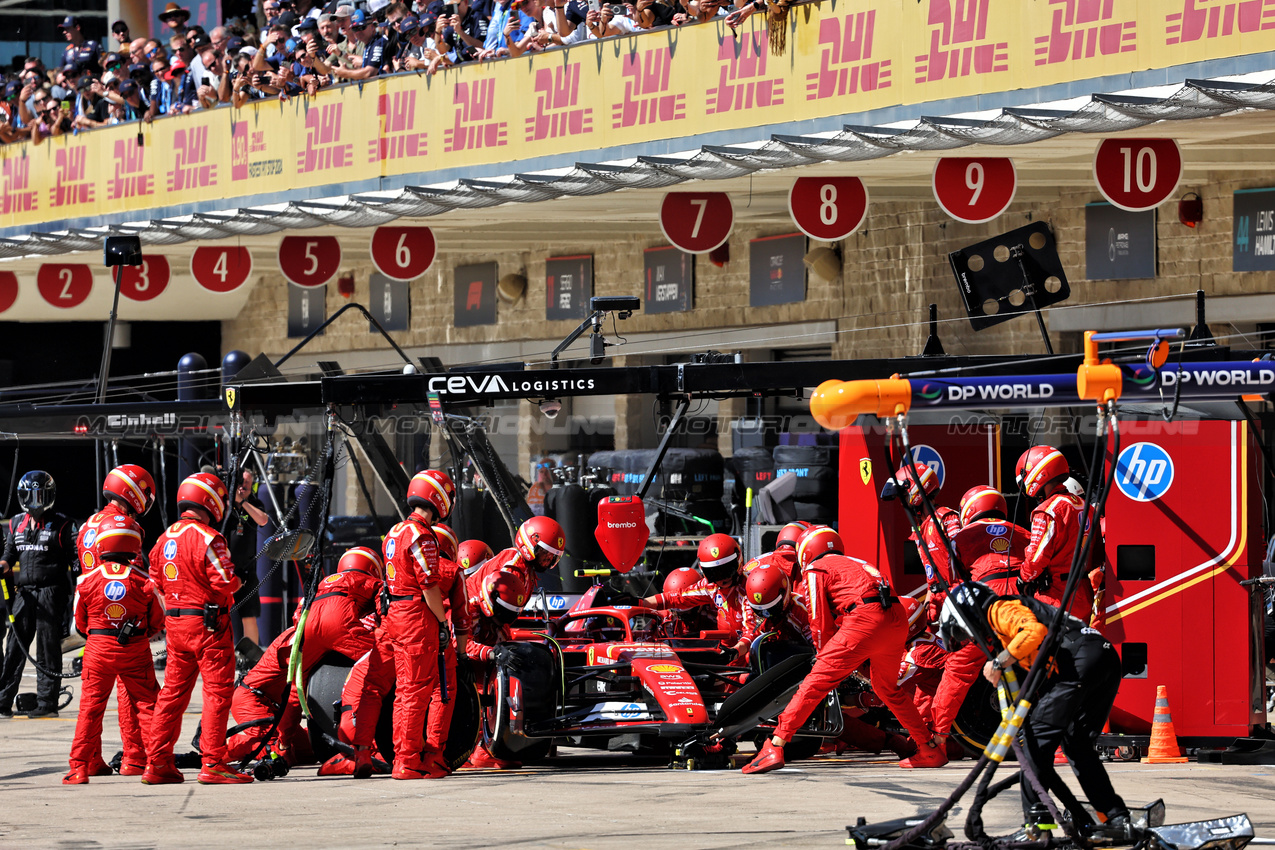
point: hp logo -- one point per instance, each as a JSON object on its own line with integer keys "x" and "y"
{"x": 926, "y": 455}
{"x": 1144, "y": 472}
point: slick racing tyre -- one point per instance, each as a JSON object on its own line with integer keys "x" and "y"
{"x": 978, "y": 718}
{"x": 529, "y": 679}
{"x": 323, "y": 693}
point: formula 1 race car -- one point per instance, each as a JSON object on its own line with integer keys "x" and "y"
{"x": 609, "y": 676}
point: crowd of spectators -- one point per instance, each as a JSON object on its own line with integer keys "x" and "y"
{"x": 285, "y": 48}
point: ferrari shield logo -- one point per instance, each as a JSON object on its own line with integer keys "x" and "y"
{"x": 865, "y": 467}
{"x": 230, "y": 397}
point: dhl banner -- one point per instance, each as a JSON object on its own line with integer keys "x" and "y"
{"x": 843, "y": 57}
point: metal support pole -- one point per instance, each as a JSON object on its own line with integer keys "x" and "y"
{"x": 683, "y": 404}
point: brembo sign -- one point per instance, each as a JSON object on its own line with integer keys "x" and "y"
{"x": 482, "y": 385}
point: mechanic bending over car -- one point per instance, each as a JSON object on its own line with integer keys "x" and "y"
{"x": 873, "y": 627}
{"x": 495, "y": 601}
{"x": 722, "y": 587}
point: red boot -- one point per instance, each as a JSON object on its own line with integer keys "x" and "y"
{"x": 78, "y": 775}
{"x": 128, "y": 768}
{"x": 98, "y": 767}
{"x": 222, "y": 774}
{"x": 483, "y": 760}
{"x": 927, "y": 755}
{"x": 162, "y": 773}
{"x": 768, "y": 758}
{"x": 338, "y": 765}
{"x": 417, "y": 769}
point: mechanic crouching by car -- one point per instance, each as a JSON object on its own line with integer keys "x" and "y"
{"x": 854, "y": 617}
{"x": 1070, "y": 708}
{"x": 691, "y": 622}
{"x": 722, "y": 589}
{"x": 495, "y": 601}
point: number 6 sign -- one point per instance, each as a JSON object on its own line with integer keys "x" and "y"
{"x": 697, "y": 222}
{"x": 974, "y": 189}
{"x": 309, "y": 260}
{"x": 1137, "y": 174}
{"x": 828, "y": 208}
{"x": 221, "y": 268}
{"x": 402, "y": 253}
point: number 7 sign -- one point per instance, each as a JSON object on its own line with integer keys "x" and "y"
{"x": 697, "y": 222}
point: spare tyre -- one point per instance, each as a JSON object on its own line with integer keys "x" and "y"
{"x": 533, "y": 672}
{"x": 754, "y": 467}
{"x": 814, "y": 483}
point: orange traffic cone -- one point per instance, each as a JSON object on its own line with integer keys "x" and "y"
{"x": 1164, "y": 741}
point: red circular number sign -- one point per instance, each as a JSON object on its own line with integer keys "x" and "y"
{"x": 8, "y": 290}
{"x": 64, "y": 284}
{"x": 974, "y": 189}
{"x": 309, "y": 260}
{"x": 144, "y": 282}
{"x": 221, "y": 268}
{"x": 403, "y": 253}
{"x": 697, "y": 222}
{"x": 828, "y": 208}
{"x": 1137, "y": 174}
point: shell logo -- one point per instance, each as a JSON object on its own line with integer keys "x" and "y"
{"x": 389, "y": 571}
{"x": 1000, "y": 544}
{"x": 664, "y": 668}
{"x": 170, "y": 570}
{"x": 115, "y": 611}
{"x": 333, "y": 579}
{"x": 88, "y": 560}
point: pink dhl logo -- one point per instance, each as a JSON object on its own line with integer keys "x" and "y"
{"x": 743, "y": 62}
{"x": 557, "y": 112}
{"x": 398, "y": 139}
{"x": 323, "y": 147}
{"x": 18, "y": 196}
{"x": 1083, "y": 29}
{"x": 239, "y": 150}
{"x": 130, "y": 179}
{"x": 71, "y": 187}
{"x": 475, "y": 104}
{"x": 846, "y": 65}
{"x": 1202, "y": 19}
{"x": 646, "y": 81}
{"x": 191, "y": 169}
{"x": 958, "y": 42}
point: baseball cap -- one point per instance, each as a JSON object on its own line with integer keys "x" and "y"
{"x": 178, "y": 64}
{"x": 70, "y": 68}
{"x": 138, "y": 68}
{"x": 69, "y": 22}
{"x": 128, "y": 88}
{"x": 199, "y": 41}
{"x": 344, "y": 11}
{"x": 427, "y": 22}
{"x": 109, "y": 59}
{"x": 84, "y": 82}
{"x": 408, "y": 25}
{"x": 288, "y": 19}
{"x": 234, "y": 45}
{"x": 358, "y": 19}
{"x": 308, "y": 24}
{"x": 12, "y": 89}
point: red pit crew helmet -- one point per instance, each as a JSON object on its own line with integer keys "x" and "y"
{"x": 472, "y": 554}
{"x": 540, "y": 534}
{"x": 132, "y": 485}
{"x": 447, "y": 543}
{"x": 1038, "y": 466}
{"x": 119, "y": 544}
{"x": 434, "y": 488}
{"x": 791, "y": 533}
{"x": 981, "y": 500}
{"x": 203, "y": 490}
{"x": 929, "y": 483}
{"x": 767, "y": 590}
{"x": 503, "y": 597}
{"x": 817, "y": 542}
{"x": 364, "y": 559}
{"x": 718, "y": 557}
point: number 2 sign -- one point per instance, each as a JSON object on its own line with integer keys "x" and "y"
{"x": 221, "y": 268}
{"x": 64, "y": 285}
{"x": 1137, "y": 174}
{"x": 974, "y": 189}
{"x": 309, "y": 260}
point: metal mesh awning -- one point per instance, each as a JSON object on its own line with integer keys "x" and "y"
{"x": 1100, "y": 113}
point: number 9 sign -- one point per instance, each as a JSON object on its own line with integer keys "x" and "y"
{"x": 1137, "y": 174}
{"x": 974, "y": 189}
{"x": 828, "y": 208}
{"x": 221, "y": 268}
{"x": 309, "y": 260}
{"x": 403, "y": 253}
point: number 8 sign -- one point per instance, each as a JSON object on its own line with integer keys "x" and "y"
{"x": 974, "y": 189}
{"x": 1137, "y": 174}
{"x": 828, "y": 208}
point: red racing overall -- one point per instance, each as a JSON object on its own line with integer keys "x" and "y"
{"x": 451, "y": 581}
{"x": 850, "y": 625}
{"x": 191, "y": 566}
{"x": 1057, "y": 526}
{"x": 107, "y": 596}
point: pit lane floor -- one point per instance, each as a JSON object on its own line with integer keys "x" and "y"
{"x": 584, "y": 800}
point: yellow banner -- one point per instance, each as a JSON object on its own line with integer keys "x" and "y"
{"x": 843, "y": 57}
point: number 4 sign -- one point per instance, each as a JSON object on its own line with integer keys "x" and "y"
{"x": 221, "y": 268}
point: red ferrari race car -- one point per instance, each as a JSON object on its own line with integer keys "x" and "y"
{"x": 609, "y": 676}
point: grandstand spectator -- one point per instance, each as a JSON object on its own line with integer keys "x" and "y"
{"x": 137, "y": 51}
{"x": 52, "y": 118}
{"x": 121, "y": 34}
{"x": 175, "y": 18}
{"x": 133, "y": 107}
{"x": 91, "y": 108}
{"x": 80, "y": 51}
{"x": 468, "y": 28}
{"x": 375, "y": 59}
{"x": 12, "y": 127}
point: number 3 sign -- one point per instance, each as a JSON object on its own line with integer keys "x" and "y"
{"x": 309, "y": 260}
{"x": 974, "y": 189}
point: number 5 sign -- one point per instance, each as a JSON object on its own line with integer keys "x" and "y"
{"x": 697, "y": 222}
{"x": 402, "y": 253}
{"x": 309, "y": 260}
{"x": 1137, "y": 174}
{"x": 828, "y": 208}
{"x": 974, "y": 189}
